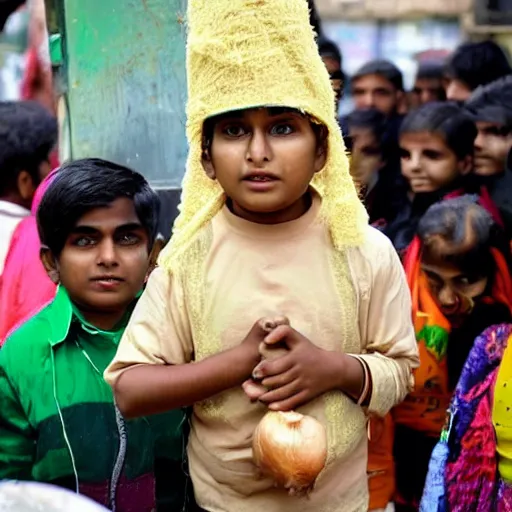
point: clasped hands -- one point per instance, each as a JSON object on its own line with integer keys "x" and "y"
{"x": 292, "y": 370}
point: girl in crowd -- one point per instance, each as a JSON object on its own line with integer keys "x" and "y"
{"x": 458, "y": 272}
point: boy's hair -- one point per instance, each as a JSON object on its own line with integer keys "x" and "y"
{"x": 461, "y": 232}
{"x": 369, "y": 119}
{"x": 383, "y": 68}
{"x": 327, "y": 48}
{"x": 493, "y": 102}
{"x": 431, "y": 69}
{"x": 477, "y": 64}
{"x": 28, "y": 133}
{"x": 449, "y": 121}
{"x": 83, "y": 185}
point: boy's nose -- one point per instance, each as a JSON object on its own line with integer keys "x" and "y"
{"x": 258, "y": 151}
{"x": 447, "y": 297}
{"x": 107, "y": 253}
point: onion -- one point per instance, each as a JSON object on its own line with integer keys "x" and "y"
{"x": 291, "y": 448}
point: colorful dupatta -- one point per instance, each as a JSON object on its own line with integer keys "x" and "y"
{"x": 463, "y": 472}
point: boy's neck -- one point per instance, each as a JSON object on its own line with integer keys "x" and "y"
{"x": 292, "y": 212}
{"x": 103, "y": 320}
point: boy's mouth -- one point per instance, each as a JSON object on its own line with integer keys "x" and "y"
{"x": 260, "y": 176}
{"x": 107, "y": 282}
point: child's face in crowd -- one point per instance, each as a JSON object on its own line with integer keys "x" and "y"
{"x": 428, "y": 163}
{"x": 454, "y": 290}
{"x": 492, "y": 146}
{"x": 457, "y": 90}
{"x": 427, "y": 90}
{"x": 375, "y": 91}
{"x": 366, "y": 156}
{"x": 264, "y": 159}
{"x": 104, "y": 262}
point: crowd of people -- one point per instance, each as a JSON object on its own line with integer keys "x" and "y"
{"x": 370, "y": 253}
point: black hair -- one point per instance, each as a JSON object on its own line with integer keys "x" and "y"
{"x": 28, "y": 133}
{"x": 209, "y": 125}
{"x": 368, "y": 119}
{"x": 447, "y": 120}
{"x": 80, "y": 186}
{"x": 493, "y": 102}
{"x": 327, "y": 48}
{"x": 476, "y": 64}
{"x": 462, "y": 232}
{"x": 431, "y": 69}
{"x": 383, "y": 68}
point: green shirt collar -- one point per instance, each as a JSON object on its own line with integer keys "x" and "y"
{"x": 64, "y": 312}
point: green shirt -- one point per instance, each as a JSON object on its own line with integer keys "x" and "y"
{"x": 59, "y": 424}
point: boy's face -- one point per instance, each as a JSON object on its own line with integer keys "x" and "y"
{"x": 492, "y": 146}
{"x": 427, "y": 90}
{"x": 366, "y": 156}
{"x": 375, "y": 91}
{"x": 104, "y": 262}
{"x": 457, "y": 90}
{"x": 264, "y": 159}
{"x": 428, "y": 163}
{"x": 455, "y": 291}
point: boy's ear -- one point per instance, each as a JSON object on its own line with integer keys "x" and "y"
{"x": 206, "y": 160}
{"x": 155, "y": 252}
{"x": 466, "y": 165}
{"x": 50, "y": 264}
{"x": 321, "y": 149}
{"x": 26, "y": 186}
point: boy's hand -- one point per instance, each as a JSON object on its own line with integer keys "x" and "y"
{"x": 299, "y": 376}
{"x": 251, "y": 345}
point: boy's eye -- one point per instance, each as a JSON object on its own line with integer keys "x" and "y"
{"x": 234, "y": 130}
{"x": 129, "y": 239}
{"x": 404, "y": 154}
{"x": 84, "y": 241}
{"x": 432, "y": 155}
{"x": 281, "y": 129}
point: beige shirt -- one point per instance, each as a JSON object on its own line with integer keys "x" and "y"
{"x": 357, "y": 302}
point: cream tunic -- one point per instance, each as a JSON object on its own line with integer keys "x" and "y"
{"x": 357, "y": 302}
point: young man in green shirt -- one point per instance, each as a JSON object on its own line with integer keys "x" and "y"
{"x": 58, "y": 420}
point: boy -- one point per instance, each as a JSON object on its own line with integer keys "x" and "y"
{"x": 473, "y": 65}
{"x": 28, "y": 133}
{"x": 58, "y": 421}
{"x": 270, "y": 224}
{"x": 333, "y": 61}
{"x": 429, "y": 83}
{"x": 491, "y": 108}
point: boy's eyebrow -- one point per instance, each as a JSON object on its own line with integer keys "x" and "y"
{"x": 87, "y": 229}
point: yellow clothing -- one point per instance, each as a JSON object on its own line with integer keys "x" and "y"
{"x": 502, "y": 414}
{"x": 249, "y": 271}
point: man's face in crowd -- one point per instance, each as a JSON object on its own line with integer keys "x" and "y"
{"x": 492, "y": 146}
{"x": 375, "y": 91}
{"x": 426, "y": 90}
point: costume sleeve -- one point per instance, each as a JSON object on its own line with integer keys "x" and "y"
{"x": 389, "y": 349}
{"x": 158, "y": 331}
{"x": 17, "y": 440}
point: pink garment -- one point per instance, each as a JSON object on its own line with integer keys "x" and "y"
{"x": 25, "y": 287}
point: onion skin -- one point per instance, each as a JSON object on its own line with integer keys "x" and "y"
{"x": 291, "y": 449}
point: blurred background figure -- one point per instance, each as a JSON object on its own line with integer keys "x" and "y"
{"x": 472, "y": 65}
{"x": 429, "y": 84}
{"x": 333, "y": 61}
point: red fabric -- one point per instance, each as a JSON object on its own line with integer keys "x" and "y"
{"x": 25, "y": 287}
